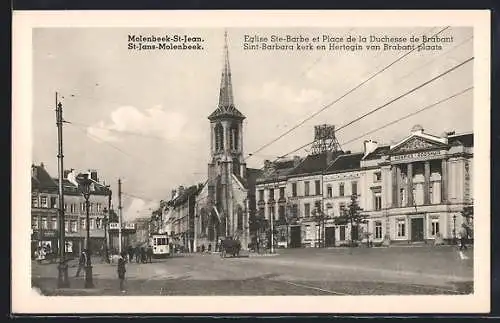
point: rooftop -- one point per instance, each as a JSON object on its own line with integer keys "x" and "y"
{"x": 345, "y": 163}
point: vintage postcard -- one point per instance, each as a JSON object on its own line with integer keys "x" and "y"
{"x": 251, "y": 162}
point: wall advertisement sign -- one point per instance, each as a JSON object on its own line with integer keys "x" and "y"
{"x": 422, "y": 155}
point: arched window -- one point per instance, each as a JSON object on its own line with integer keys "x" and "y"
{"x": 219, "y": 137}
{"x": 234, "y": 137}
{"x": 240, "y": 218}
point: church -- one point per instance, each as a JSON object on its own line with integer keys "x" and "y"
{"x": 225, "y": 203}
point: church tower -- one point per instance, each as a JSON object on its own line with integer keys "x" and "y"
{"x": 226, "y": 151}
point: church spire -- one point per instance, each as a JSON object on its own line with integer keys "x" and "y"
{"x": 226, "y": 86}
{"x": 226, "y": 108}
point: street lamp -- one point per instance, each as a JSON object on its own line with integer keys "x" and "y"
{"x": 84, "y": 184}
{"x": 105, "y": 224}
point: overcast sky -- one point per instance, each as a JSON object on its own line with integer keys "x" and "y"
{"x": 156, "y": 103}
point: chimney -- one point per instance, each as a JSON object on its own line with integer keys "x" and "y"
{"x": 296, "y": 161}
{"x": 34, "y": 171}
{"x": 369, "y": 147}
{"x": 42, "y": 165}
{"x": 267, "y": 163}
{"x": 67, "y": 172}
{"x": 72, "y": 177}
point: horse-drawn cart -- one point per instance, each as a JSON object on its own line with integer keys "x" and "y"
{"x": 230, "y": 246}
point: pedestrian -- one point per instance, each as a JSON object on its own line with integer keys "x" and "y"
{"x": 137, "y": 253}
{"x": 150, "y": 254}
{"x": 121, "y": 270}
{"x": 130, "y": 253}
{"x": 463, "y": 237}
{"x": 39, "y": 255}
{"x": 143, "y": 255}
{"x": 81, "y": 262}
{"x": 203, "y": 248}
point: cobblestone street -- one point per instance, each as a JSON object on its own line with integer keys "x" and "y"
{"x": 360, "y": 271}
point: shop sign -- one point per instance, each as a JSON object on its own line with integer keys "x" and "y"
{"x": 422, "y": 155}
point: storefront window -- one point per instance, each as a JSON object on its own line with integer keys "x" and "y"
{"x": 435, "y": 227}
{"x": 378, "y": 230}
{"x": 401, "y": 228}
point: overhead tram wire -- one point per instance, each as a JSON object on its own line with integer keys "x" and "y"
{"x": 407, "y": 93}
{"x": 419, "y": 68}
{"x": 342, "y": 96}
{"x": 437, "y": 103}
{"x": 388, "y": 103}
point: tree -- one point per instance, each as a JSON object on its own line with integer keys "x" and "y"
{"x": 113, "y": 217}
{"x": 353, "y": 215}
{"x": 468, "y": 217}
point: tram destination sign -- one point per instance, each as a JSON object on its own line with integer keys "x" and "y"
{"x": 421, "y": 155}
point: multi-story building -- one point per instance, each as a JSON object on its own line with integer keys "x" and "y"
{"x": 272, "y": 196}
{"x": 180, "y": 217}
{"x": 416, "y": 189}
{"x": 45, "y": 217}
{"x": 342, "y": 179}
{"x": 410, "y": 192}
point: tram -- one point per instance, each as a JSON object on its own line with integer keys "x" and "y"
{"x": 160, "y": 244}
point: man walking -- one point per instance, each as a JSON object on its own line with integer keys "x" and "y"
{"x": 122, "y": 270}
{"x": 81, "y": 262}
{"x": 150, "y": 254}
{"x": 137, "y": 252}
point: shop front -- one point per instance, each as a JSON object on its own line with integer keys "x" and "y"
{"x": 45, "y": 238}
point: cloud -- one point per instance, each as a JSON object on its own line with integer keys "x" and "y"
{"x": 154, "y": 122}
{"x": 139, "y": 208}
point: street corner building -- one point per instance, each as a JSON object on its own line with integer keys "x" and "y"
{"x": 45, "y": 217}
{"x": 415, "y": 191}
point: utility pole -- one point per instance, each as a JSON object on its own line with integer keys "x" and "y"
{"x": 119, "y": 216}
{"x": 62, "y": 278}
